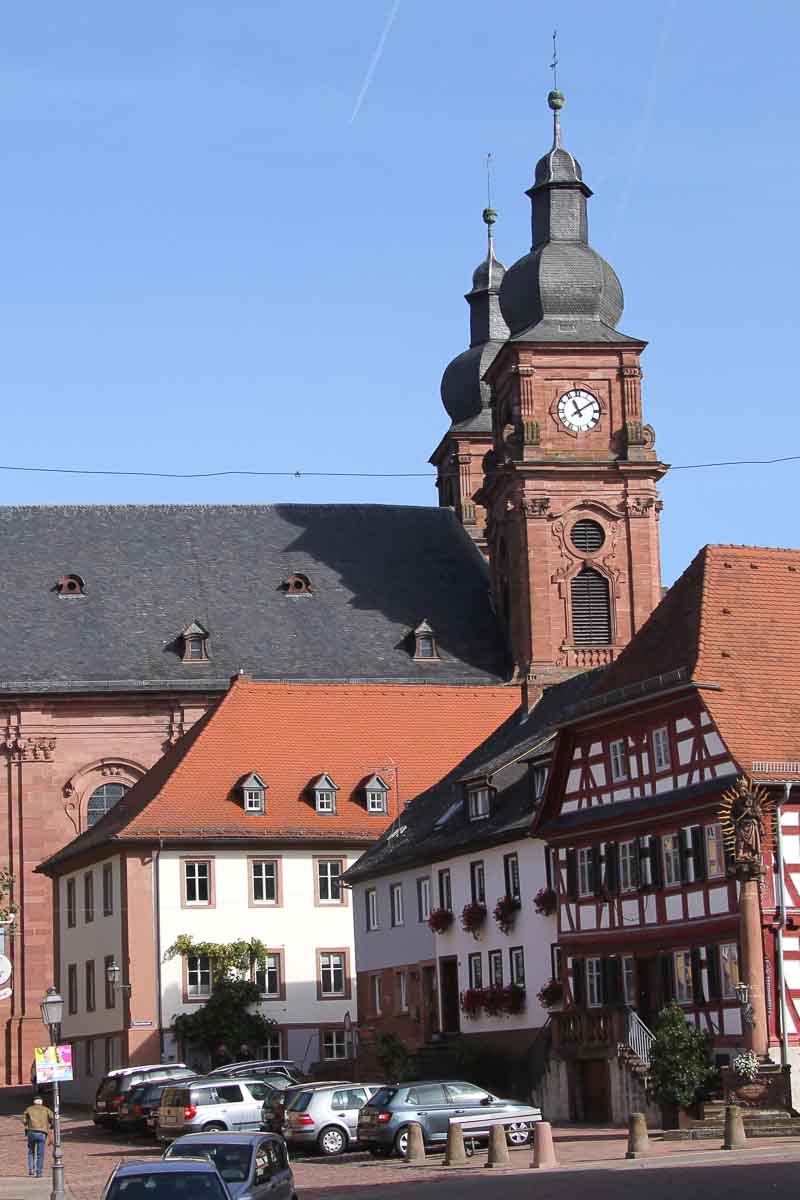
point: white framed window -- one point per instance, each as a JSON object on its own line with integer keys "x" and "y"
{"x": 272, "y": 1046}
{"x": 376, "y": 801}
{"x": 618, "y": 751}
{"x": 671, "y": 855}
{"x": 326, "y": 801}
{"x": 729, "y": 969}
{"x": 628, "y": 866}
{"x": 629, "y": 980}
{"x": 268, "y": 977}
{"x": 329, "y": 880}
{"x": 516, "y": 962}
{"x": 197, "y": 876}
{"x": 253, "y": 800}
{"x": 396, "y": 897}
{"x": 539, "y": 782}
{"x": 376, "y": 996}
{"x": 715, "y": 852}
{"x": 645, "y": 862}
{"x": 594, "y": 982}
{"x": 334, "y": 1044}
{"x": 478, "y": 804}
{"x": 475, "y": 962}
{"x": 661, "y": 755}
{"x": 401, "y": 980}
{"x": 372, "y": 908}
{"x": 445, "y": 890}
{"x": 423, "y": 898}
{"x": 332, "y": 973}
{"x": 683, "y": 976}
{"x": 198, "y": 976}
{"x": 265, "y": 881}
{"x": 477, "y": 879}
{"x": 585, "y": 881}
{"x": 495, "y": 968}
{"x": 511, "y": 875}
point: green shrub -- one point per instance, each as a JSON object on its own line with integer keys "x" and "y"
{"x": 681, "y": 1060}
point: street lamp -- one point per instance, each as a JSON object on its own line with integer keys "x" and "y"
{"x": 52, "y": 1007}
{"x": 113, "y": 972}
{"x": 742, "y": 991}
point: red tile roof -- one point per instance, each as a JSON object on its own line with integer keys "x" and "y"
{"x": 290, "y": 733}
{"x": 733, "y": 619}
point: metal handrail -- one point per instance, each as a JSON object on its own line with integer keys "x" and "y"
{"x": 639, "y": 1038}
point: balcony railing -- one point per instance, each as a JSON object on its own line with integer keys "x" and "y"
{"x": 601, "y": 1029}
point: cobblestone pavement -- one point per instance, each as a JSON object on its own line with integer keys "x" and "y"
{"x": 90, "y": 1154}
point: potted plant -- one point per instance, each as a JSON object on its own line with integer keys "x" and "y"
{"x": 681, "y": 1065}
{"x": 471, "y": 1002}
{"x": 745, "y": 1065}
{"x": 493, "y": 1000}
{"x": 513, "y": 999}
{"x": 505, "y": 912}
{"x": 472, "y": 918}
{"x": 440, "y": 920}
{"x": 545, "y": 901}
{"x": 552, "y": 994}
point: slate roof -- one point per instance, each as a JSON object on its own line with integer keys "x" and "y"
{"x": 434, "y": 825}
{"x": 149, "y": 571}
{"x": 290, "y": 734}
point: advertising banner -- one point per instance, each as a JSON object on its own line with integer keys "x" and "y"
{"x": 53, "y": 1064}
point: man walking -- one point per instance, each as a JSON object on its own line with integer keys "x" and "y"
{"x": 38, "y": 1121}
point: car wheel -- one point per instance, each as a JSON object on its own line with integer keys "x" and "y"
{"x": 332, "y": 1141}
{"x": 401, "y": 1143}
{"x": 214, "y": 1127}
{"x": 518, "y": 1134}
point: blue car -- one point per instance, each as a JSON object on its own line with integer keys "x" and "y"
{"x": 253, "y": 1166}
{"x": 181, "y": 1179}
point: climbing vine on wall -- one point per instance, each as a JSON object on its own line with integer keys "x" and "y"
{"x": 229, "y": 960}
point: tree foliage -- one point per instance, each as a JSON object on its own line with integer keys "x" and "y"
{"x": 225, "y": 1025}
{"x": 681, "y": 1059}
{"x": 229, "y": 960}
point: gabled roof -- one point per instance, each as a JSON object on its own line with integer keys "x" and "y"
{"x": 410, "y": 734}
{"x": 149, "y": 570}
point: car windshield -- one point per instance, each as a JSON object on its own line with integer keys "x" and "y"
{"x": 300, "y": 1102}
{"x": 177, "y": 1185}
{"x": 232, "y": 1162}
{"x": 382, "y": 1097}
{"x": 109, "y": 1087}
{"x": 279, "y": 1082}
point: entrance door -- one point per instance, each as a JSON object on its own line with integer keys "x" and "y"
{"x": 595, "y": 1100}
{"x": 430, "y": 1017}
{"x": 448, "y": 976}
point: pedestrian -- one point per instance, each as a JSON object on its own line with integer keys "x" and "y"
{"x": 38, "y": 1121}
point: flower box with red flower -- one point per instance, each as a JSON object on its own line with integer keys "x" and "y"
{"x": 505, "y": 912}
{"x": 440, "y": 920}
{"x": 545, "y": 901}
{"x": 513, "y": 999}
{"x": 473, "y": 917}
{"x": 472, "y": 1002}
{"x": 552, "y": 994}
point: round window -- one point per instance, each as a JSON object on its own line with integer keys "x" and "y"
{"x": 587, "y": 536}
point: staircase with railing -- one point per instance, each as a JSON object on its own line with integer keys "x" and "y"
{"x": 633, "y": 1050}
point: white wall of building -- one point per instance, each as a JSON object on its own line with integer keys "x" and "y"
{"x": 388, "y": 945}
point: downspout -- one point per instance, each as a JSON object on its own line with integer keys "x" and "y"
{"x": 157, "y": 918}
{"x": 787, "y": 788}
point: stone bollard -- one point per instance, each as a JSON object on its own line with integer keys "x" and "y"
{"x": 456, "y": 1155}
{"x": 734, "y": 1128}
{"x": 498, "y": 1147}
{"x": 544, "y": 1154}
{"x": 638, "y": 1141}
{"x": 415, "y": 1149}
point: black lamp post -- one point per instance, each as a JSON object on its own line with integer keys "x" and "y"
{"x": 52, "y": 1007}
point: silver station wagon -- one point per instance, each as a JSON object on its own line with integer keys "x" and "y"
{"x": 209, "y": 1105}
{"x": 326, "y": 1117}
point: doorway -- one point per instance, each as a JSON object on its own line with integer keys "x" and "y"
{"x": 430, "y": 1015}
{"x": 451, "y": 1012}
{"x": 648, "y": 993}
{"x": 594, "y": 1090}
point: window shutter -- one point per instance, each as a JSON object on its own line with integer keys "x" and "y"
{"x": 667, "y": 978}
{"x": 578, "y": 982}
{"x": 712, "y": 966}
{"x": 698, "y": 855}
{"x": 591, "y": 609}
{"x": 685, "y": 849}
{"x": 697, "y": 977}
{"x": 656, "y": 871}
{"x": 572, "y": 874}
{"x": 636, "y": 874}
{"x": 596, "y": 872}
{"x": 642, "y": 858}
{"x": 612, "y": 981}
{"x": 612, "y": 868}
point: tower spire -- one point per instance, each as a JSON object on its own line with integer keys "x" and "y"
{"x": 555, "y": 98}
{"x": 489, "y": 217}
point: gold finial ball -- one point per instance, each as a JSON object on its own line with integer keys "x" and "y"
{"x": 489, "y": 216}
{"x": 556, "y": 100}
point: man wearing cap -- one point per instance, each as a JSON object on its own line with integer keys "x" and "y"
{"x": 38, "y": 1121}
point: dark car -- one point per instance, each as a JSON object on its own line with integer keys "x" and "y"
{"x": 254, "y": 1166}
{"x": 261, "y": 1068}
{"x": 384, "y": 1120}
{"x": 181, "y": 1179}
{"x": 140, "y": 1104}
{"x": 115, "y": 1085}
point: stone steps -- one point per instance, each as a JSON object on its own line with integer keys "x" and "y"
{"x": 763, "y": 1125}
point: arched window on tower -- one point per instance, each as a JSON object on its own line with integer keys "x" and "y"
{"x": 591, "y": 609}
{"x": 102, "y": 799}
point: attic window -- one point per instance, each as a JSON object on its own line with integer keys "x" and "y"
{"x": 479, "y": 803}
{"x": 254, "y": 791}
{"x": 194, "y": 641}
{"x": 70, "y": 585}
{"x": 425, "y": 647}
{"x": 324, "y": 794}
{"x": 297, "y": 585}
{"x": 377, "y": 795}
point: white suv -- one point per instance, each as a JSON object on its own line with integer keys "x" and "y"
{"x": 208, "y": 1105}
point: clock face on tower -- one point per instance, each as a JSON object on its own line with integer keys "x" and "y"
{"x": 578, "y": 410}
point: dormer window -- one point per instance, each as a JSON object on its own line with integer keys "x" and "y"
{"x": 70, "y": 585}
{"x": 377, "y": 795}
{"x": 254, "y": 793}
{"x": 479, "y": 803}
{"x": 425, "y": 647}
{"x": 324, "y": 794}
{"x": 194, "y": 642}
{"x": 297, "y": 585}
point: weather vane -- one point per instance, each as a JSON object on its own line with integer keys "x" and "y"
{"x": 554, "y": 63}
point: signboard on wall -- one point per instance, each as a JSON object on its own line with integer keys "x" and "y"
{"x": 53, "y": 1064}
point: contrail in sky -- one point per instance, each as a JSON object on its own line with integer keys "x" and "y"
{"x": 376, "y": 58}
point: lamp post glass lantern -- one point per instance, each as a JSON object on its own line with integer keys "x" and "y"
{"x": 113, "y": 973}
{"x": 52, "y": 1008}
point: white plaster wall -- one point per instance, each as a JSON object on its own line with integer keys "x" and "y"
{"x": 97, "y": 940}
{"x": 388, "y": 946}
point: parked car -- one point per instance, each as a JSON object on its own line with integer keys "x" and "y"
{"x": 273, "y": 1112}
{"x": 383, "y": 1121}
{"x": 115, "y": 1086}
{"x": 260, "y": 1068}
{"x": 253, "y": 1166}
{"x": 140, "y": 1104}
{"x": 210, "y": 1105}
{"x": 327, "y": 1117}
{"x": 180, "y": 1179}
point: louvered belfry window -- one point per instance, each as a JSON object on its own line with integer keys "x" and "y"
{"x": 587, "y": 536}
{"x": 591, "y": 609}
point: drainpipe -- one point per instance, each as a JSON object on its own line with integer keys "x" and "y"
{"x": 781, "y": 897}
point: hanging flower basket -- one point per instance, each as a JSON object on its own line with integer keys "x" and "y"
{"x": 472, "y": 1002}
{"x": 545, "y": 901}
{"x": 552, "y": 994}
{"x": 473, "y": 917}
{"x": 745, "y": 1065}
{"x": 440, "y": 920}
{"x": 505, "y": 913}
{"x": 513, "y": 999}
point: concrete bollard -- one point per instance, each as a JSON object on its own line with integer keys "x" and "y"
{"x": 734, "y": 1128}
{"x": 544, "y": 1154}
{"x": 415, "y": 1149}
{"x": 498, "y": 1147}
{"x": 456, "y": 1155}
{"x": 638, "y": 1141}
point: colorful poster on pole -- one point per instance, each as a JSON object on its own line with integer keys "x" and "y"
{"x": 53, "y": 1064}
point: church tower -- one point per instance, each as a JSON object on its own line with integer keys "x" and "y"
{"x": 570, "y": 487}
{"x": 466, "y": 397}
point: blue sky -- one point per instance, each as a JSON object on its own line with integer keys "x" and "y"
{"x": 206, "y": 264}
